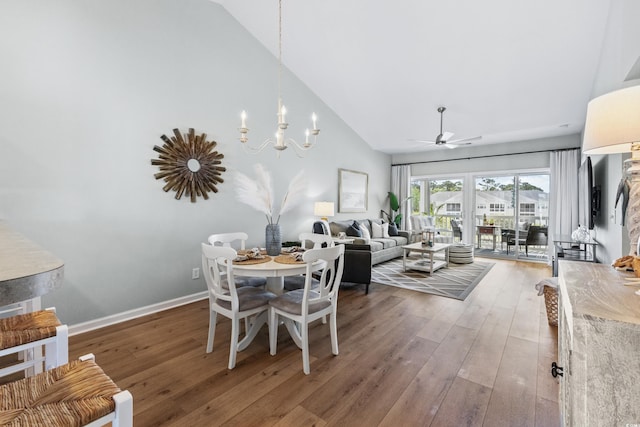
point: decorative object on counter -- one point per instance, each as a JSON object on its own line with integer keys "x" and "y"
{"x": 612, "y": 126}
{"x": 628, "y": 262}
{"x": 280, "y": 143}
{"x": 189, "y": 165}
{"x": 258, "y": 194}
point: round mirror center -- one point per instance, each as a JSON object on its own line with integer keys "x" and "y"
{"x": 193, "y": 165}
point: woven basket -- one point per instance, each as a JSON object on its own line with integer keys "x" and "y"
{"x": 551, "y": 303}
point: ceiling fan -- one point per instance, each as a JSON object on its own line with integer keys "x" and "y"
{"x": 444, "y": 138}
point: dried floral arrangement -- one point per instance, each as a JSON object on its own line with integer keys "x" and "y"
{"x": 258, "y": 193}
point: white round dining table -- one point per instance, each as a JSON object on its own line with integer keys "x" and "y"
{"x": 274, "y": 272}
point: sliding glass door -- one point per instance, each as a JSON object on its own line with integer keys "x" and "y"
{"x": 512, "y": 215}
{"x": 533, "y": 209}
{"x": 502, "y": 215}
{"x": 495, "y": 214}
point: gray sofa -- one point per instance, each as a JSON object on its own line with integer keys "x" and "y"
{"x": 382, "y": 249}
{"x": 361, "y": 255}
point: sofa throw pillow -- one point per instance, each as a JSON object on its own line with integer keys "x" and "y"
{"x": 365, "y": 232}
{"x": 376, "y": 231}
{"x": 385, "y": 229}
{"x": 354, "y": 230}
{"x": 393, "y": 229}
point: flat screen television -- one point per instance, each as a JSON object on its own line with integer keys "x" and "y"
{"x": 588, "y": 195}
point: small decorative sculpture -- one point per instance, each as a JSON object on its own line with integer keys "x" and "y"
{"x": 189, "y": 165}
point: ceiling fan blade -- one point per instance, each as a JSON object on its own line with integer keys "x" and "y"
{"x": 447, "y": 136}
{"x": 424, "y": 141}
{"x": 458, "y": 141}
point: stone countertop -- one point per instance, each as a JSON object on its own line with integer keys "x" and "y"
{"x": 26, "y": 270}
{"x": 598, "y": 291}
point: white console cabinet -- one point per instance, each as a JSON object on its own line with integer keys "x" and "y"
{"x": 598, "y": 346}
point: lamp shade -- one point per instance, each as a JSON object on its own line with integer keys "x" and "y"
{"x": 323, "y": 209}
{"x": 613, "y": 122}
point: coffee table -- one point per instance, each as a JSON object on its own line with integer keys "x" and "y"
{"x": 426, "y": 264}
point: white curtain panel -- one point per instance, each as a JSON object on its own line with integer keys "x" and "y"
{"x": 401, "y": 187}
{"x": 563, "y": 204}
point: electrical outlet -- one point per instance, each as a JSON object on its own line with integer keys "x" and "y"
{"x": 195, "y": 273}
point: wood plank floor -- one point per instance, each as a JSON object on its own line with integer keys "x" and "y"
{"x": 406, "y": 358}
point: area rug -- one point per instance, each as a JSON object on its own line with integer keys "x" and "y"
{"x": 455, "y": 281}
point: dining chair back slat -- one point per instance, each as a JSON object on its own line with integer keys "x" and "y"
{"x": 236, "y": 240}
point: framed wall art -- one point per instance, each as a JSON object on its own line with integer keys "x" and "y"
{"x": 353, "y": 191}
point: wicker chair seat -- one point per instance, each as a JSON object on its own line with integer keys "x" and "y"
{"x": 74, "y": 394}
{"x": 26, "y": 328}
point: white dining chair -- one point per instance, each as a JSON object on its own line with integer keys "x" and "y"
{"x": 235, "y": 303}
{"x": 306, "y": 305}
{"x": 307, "y": 240}
{"x": 238, "y": 239}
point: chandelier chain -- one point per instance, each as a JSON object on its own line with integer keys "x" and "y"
{"x": 279, "y": 51}
{"x": 281, "y": 142}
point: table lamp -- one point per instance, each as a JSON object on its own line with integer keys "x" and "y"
{"x": 323, "y": 210}
{"x": 613, "y": 126}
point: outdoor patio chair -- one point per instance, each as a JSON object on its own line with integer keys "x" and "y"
{"x": 536, "y": 236}
{"x": 456, "y": 227}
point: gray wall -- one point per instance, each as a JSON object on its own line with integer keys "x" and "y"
{"x": 620, "y": 51}
{"x": 88, "y": 87}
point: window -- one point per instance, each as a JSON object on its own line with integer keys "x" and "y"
{"x": 453, "y": 207}
{"x": 528, "y": 209}
{"x": 496, "y": 207}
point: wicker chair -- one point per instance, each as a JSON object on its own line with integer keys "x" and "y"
{"x": 456, "y": 227}
{"x": 26, "y": 334}
{"x": 75, "y": 394}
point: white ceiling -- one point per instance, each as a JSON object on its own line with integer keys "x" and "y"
{"x": 506, "y": 70}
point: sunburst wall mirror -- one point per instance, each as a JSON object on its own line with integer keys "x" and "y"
{"x": 189, "y": 164}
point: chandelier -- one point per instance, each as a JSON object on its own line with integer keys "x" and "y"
{"x": 280, "y": 142}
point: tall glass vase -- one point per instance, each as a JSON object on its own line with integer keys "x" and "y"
{"x": 273, "y": 239}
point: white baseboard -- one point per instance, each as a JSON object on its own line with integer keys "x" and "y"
{"x": 135, "y": 313}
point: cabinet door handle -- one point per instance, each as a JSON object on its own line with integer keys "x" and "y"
{"x": 556, "y": 370}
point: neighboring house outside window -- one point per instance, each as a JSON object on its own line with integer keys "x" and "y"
{"x": 496, "y": 207}
{"x": 453, "y": 207}
{"x": 528, "y": 209}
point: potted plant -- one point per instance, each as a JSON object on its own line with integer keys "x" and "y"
{"x": 394, "y": 204}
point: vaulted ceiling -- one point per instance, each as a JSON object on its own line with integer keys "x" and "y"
{"x": 505, "y": 70}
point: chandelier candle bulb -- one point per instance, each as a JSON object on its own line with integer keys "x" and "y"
{"x": 306, "y": 137}
{"x": 243, "y": 117}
